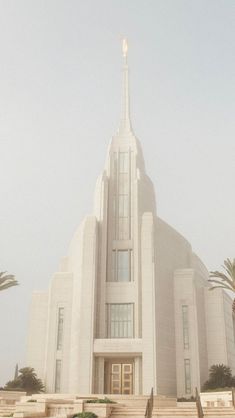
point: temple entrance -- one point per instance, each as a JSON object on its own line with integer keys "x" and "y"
{"x": 122, "y": 379}
{"x": 119, "y": 378}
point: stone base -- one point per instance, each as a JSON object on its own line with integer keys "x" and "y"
{"x": 125, "y": 406}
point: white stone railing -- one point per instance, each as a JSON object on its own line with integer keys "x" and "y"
{"x": 58, "y": 408}
{"x": 216, "y": 399}
{"x": 10, "y": 397}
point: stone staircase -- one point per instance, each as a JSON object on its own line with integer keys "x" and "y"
{"x": 124, "y": 407}
{"x": 7, "y": 410}
{"x": 223, "y": 412}
{"x": 131, "y": 411}
{"x": 165, "y": 412}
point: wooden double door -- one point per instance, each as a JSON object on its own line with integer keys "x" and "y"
{"x": 121, "y": 378}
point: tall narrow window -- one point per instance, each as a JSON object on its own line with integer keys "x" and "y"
{"x": 123, "y": 205}
{"x": 120, "y": 320}
{"x": 234, "y": 328}
{"x": 114, "y": 164}
{"x": 185, "y": 326}
{"x": 58, "y": 375}
{"x": 123, "y": 209}
{"x": 123, "y": 183}
{"x": 187, "y": 374}
{"x": 114, "y": 268}
{"x": 123, "y": 162}
{"x": 121, "y": 266}
{"x": 123, "y": 228}
{"x": 60, "y": 328}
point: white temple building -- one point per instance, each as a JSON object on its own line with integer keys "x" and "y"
{"x": 129, "y": 308}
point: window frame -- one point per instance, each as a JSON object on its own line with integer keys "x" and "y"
{"x": 116, "y": 268}
{"x": 58, "y": 372}
{"x": 187, "y": 376}
{"x": 185, "y": 325}
{"x": 122, "y": 327}
{"x": 123, "y": 163}
{"x": 60, "y": 327}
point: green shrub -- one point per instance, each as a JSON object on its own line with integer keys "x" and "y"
{"x": 225, "y": 389}
{"x": 85, "y": 415}
{"x": 105, "y": 400}
{"x": 191, "y": 399}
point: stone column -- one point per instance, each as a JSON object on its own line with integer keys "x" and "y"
{"x": 148, "y": 304}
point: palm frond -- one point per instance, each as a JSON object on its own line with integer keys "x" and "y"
{"x": 219, "y": 287}
{"x": 219, "y": 274}
{"x": 8, "y": 284}
{"x": 229, "y": 267}
{"x": 7, "y": 280}
{"x": 225, "y": 281}
{"x": 223, "y": 278}
{"x": 220, "y": 282}
{"x": 224, "y": 285}
{"x": 228, "y": 271}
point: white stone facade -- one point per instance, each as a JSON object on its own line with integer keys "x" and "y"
{"x": 130, "y": 308}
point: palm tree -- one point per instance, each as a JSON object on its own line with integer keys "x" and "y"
{"x": 220, "y": 376}
{"x": 7, "y": 280}
{"x": 226, "y": 279}
{"x": 27, "y": 380}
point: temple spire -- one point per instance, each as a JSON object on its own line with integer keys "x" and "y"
{"x": 125, "y": 124}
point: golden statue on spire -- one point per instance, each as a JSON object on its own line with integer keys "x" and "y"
{"x": 124, "y": 47}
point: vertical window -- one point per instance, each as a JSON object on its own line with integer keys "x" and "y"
{"x": 121, "y": 266}
{"x": 123, "y": 162}
{"x": 60, "y": 328}
{"x": 114, "y": 164}
{"x": 114, "y": 206}
{"x": 123, "y": 206}
{"x": 187, "y": 374}
{"x": 57, "y": 375}
{"x": 233, "y": 319}
{"x": 185, "y": 326}
{"x": 123, "y": 203}
{"x": 123, "y": 183}
{"x": 114, "y": 267}
{"x": 123, "y": 228}
{"x": 120, "y": 320}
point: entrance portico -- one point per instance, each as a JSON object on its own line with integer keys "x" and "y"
{"x": 117, "y": 376}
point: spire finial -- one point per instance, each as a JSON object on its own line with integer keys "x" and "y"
{"x": 125, "y": 125}
{"x": 124, "y": 47}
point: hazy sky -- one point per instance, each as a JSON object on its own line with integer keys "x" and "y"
{"x": 60, "y": 90}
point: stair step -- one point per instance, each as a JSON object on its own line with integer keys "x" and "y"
{"x": 171, "y": 412}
